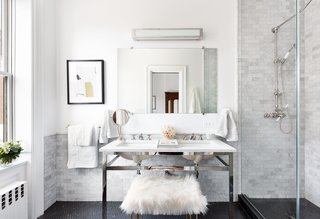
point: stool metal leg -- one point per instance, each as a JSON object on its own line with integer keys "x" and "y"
{"x": 196, "y": 168}
{"x": 139, "y": 168}
{"x": 231, "y": 208}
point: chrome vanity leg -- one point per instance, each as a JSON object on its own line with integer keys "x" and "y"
{"x": 139, "y": 168}
{"x": 197, "y": 170}
{"x": 104, "y": 190}
{"x": 231, "y": 209}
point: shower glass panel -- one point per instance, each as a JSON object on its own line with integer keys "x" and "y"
{"x": 279, "y": 93}
{"x": 310, "y": 111}
{"x": 267, "y": 105}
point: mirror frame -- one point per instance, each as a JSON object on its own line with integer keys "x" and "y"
{"x": 181, "y": 70}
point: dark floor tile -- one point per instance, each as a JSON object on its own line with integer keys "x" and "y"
{"x": 284, "y": 208}
{"x": 93, "y": 210}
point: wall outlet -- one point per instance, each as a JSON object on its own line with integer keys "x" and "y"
{"x": 208, "y": 124}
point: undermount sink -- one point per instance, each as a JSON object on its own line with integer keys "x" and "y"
{"x": 137, "y": 157}
{"x": 196, "y": 157}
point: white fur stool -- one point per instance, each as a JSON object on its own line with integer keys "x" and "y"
{"x": 164, "y": 195}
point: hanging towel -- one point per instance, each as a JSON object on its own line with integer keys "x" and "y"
{"x": 81, "y": 135}
{"x": 79, "y": 155}
{"x": 225, "y": 126}
{"x": 108, "y": 129}
{"x": 195, "y": 106}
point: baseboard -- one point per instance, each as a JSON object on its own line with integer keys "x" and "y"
{"x": 248, "y": 208}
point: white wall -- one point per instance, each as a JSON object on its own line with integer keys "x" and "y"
{"x": 43, "y": 95}
{"x": 49, "y": 68}
{"x": 95, "y": 29}
{"x": 23, "y": 74}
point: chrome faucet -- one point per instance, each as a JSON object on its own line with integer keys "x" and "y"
{"x": 141, "y": 137}
{"x": 192, "y": 136}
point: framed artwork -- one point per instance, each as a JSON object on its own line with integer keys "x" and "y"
{"x": 85, "y": 81}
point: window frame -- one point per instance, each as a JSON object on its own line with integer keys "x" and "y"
{"x": 7, "y": 22}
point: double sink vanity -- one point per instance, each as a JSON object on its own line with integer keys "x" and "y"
{"x": 192, "y": 150}
{"x": 180, "y": 86}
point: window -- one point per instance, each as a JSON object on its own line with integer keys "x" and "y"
{"x": 4, "y": 35}
{"x": 5, "y": 76}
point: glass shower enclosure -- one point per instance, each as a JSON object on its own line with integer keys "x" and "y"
{"x": 279, "y": 82}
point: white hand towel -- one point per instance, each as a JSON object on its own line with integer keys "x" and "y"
{"x": 108, "y": 129}
{"x": 81, "y": 135}
{"x": 82, "y": 156}
{"x": 195, "y": 106}
{"x": 225, "y": 126}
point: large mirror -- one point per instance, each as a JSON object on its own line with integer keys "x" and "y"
{"x": 167, "y": 80}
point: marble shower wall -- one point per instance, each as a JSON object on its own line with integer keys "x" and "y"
{"x": 268, "y": 155}
{"x": 312, "y": 102}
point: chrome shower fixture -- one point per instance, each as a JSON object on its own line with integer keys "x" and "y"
{"x": 285, "y": 57}
{"x": 276, "y": 29}
{"x": 279, "y": 97}
{"x": 275, "y": 115}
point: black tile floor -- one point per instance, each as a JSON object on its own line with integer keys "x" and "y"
{"x": 92, "y": 210}
{"x": 284, "y": 208}
{"x": 270, "y": 208}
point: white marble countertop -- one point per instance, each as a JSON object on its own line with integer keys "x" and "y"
{"x": 207, "y": 146}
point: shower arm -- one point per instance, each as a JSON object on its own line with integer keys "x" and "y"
{"x": 276, "y": 28}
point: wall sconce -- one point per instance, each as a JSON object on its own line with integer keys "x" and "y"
{"x": 167, "y": 34}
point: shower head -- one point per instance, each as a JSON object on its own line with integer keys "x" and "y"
{"x": 285, "y": 57}
{"x": 276, "y": 28}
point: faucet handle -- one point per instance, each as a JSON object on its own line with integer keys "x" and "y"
{"x": 185, "y": 136}
{"x": 200, "y": 137}
{"x": 149, "y": 137}
{"x": 133, "y": 137}
{"x": 141, "y": 137}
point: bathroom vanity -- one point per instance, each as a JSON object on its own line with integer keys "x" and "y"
{"x": 194, "y": 150}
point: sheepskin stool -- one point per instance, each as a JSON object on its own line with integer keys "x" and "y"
{"x": 164, "y": 195}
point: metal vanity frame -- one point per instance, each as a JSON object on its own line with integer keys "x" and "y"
{"x": 188, "y": 167}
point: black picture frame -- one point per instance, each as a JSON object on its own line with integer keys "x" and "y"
{"x": 82, "y": 98}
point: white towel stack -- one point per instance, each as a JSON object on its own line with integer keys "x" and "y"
{"x": 225, "y": 126}
{"x": 83, "y": 146}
